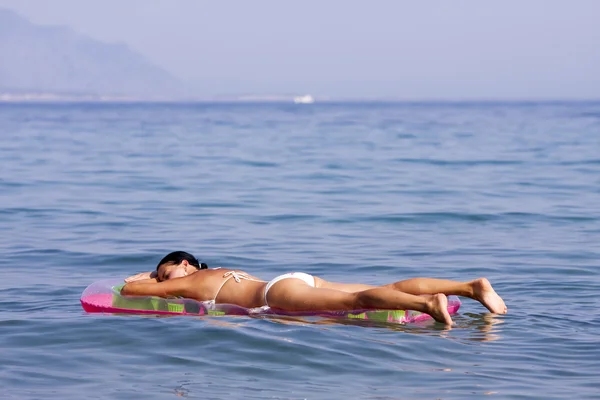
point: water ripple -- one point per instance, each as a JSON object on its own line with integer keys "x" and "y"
{"x": 370, "y": 193}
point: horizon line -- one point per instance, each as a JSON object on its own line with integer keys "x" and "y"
{"x": 33, "y": 96}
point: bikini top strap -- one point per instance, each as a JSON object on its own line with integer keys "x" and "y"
{"x": 237, "y": 276}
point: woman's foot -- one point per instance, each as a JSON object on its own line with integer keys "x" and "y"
{"x": 486, "y": 295}
{"x": 438, "y": 308}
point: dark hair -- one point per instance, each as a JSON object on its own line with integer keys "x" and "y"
{"x": 177, "y": 257}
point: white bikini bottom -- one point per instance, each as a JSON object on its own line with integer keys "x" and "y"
{"x": 309, "y": 279}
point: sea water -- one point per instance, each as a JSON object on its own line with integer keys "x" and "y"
{"x": 353, "y": 192}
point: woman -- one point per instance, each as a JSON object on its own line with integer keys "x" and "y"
{"x": 180, "y": 274}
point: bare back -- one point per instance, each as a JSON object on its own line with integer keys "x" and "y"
{"x": 222, "y": 286}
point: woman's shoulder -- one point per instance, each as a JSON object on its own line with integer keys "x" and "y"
{"x": 213, "y": 271}
{"x": 226, "y": 273}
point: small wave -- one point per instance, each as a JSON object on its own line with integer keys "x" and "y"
{"x": 260, "y": 164}
{"x": 436, "y": 217}
{"x": 287, "y": 218}
{"x": 579, "y": 162}
{"x": 466, "y": 163}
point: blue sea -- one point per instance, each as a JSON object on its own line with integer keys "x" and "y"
{"x": 351, "y": 192}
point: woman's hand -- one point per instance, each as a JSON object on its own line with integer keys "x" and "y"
{"x": 141, "y": 276}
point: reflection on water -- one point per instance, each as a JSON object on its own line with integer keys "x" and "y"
{"x": 482, "y": 327}
{"x": 181, "y": 391}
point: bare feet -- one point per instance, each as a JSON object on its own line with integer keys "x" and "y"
{"x": 486, "y": 295}
{"x": 438, "y": 308}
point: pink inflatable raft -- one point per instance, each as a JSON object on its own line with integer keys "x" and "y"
{"x": 104, "y": 297}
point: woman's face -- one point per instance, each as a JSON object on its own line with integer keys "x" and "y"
{"x": 171, "y": 271}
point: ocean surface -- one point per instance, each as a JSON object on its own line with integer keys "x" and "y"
{"x": 356, "y": 192}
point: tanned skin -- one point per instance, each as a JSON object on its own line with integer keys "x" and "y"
{"x": 426, "y": 295}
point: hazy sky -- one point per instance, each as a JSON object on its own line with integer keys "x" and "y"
{"x": 403, "y": 49}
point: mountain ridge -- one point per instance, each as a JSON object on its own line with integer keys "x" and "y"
{"x": 57, "y": 59}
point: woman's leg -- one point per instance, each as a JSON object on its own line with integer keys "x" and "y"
{"x": 296, "y": 295}
{"x": 342, "y": 287}
{"x": 479, "y": 289}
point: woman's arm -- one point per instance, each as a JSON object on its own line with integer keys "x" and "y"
{"x": 142, "y": 276}
{"x": 149, "y": 287}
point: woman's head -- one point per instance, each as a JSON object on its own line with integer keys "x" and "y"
{"x": 177, "y": 264}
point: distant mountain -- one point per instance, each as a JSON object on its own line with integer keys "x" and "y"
{"x": 56, "y": 59}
